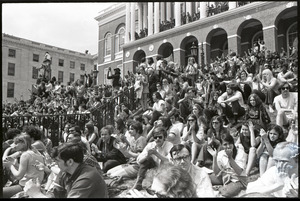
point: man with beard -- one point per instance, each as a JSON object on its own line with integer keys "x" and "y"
{"x": 181, "y": 156}
{"x": 232, "y": 103}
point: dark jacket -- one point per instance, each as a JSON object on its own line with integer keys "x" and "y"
{"x": 110, "y": 153}
{"x": 116, "y": 79}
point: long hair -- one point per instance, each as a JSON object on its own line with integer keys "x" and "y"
{"x": 176, "y": 181}
{"x": 196, "y": 122}
{"x": 278, "y": 129}
{"x": 257, "y": 99}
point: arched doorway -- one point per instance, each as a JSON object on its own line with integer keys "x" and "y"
{"x": 250, "y": 32}
{"x": 186, "y": 45}
{"x": 137, "y": 57}
{"x": 217, "y": 39}
{"x": 166, "y": 50}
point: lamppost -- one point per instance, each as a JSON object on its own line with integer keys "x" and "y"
{"x": 194, "y": 50}
{"x": 201, "y": 56}
{"x": 95, "y": 74}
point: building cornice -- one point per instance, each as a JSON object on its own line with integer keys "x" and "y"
{"x": 41, "y": 46}
{"x": 111, "y": 13}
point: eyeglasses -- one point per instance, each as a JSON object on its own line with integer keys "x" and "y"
{"x": 191, "y": 119}
{"x": 215, "y": 122}
{"x": 283, "y": 88}
{"x": 158, "y": 137}
{"x": 180, "y": 158}
{"x": 158, "y": 195}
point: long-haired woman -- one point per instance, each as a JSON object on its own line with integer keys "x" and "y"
{"x": 26, "y": 169}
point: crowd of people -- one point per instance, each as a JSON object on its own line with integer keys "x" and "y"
{"x": 203, "y": 130}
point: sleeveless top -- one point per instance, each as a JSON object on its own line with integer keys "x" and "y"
{"x": 32, "y": 172}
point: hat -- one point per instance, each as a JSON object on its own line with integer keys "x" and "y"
{"x": 117, "y": 69}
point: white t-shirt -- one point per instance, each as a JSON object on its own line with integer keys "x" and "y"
{"x": 158, "y": 106}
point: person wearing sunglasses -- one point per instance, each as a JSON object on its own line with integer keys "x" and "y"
{"x": 286, "y": 105}
{"x": 181, "y": 156}
{"x": 153, "y": 155}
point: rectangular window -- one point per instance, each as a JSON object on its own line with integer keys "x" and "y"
{"x": 60, "y": 76}
{"x": 72, "y": 77}
{"x": 11, "y": 69}
{"x": 60, "y": 62}
{"x": 10, "y": 89}
{"x": 34, "y": 73}
{"x": 72, "y": 64}
{"x": 81, "y": 77}
{"x": 36, "y": 57}
{"x": 12, "y": 53}
{"x": 82, "y": 66}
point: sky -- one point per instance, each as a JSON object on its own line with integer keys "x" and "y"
{"x": 70, "y": 26}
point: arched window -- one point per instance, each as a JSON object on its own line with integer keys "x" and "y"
{"x": 107, "y": 44}
{"x": 292, "y": 39}
{"x": 120, "y": 40}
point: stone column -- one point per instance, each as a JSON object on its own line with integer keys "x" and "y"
{"x": 234, "y": 44}
{"x": 177, "y": 14}
{"x": 179, "y": 55}
{"x": 206, "y": 48}
{"x": 150, "y": 18}
{"x": 140, "y": 16}
{"x": 156, "y": 17}
{"x": 203, "y": 10}
{"x": 145, "y": 14}
{"x": 196, "y": 7}
{"x": 232, "y": 5}
{"x": 127, "y": 23}
{"x": 188, "y": 8}
{"x": 162, "y": 11}
{"x": 168, "y": 10}
{"x": 270, "y": 38}
{"x": 132, "y": 29}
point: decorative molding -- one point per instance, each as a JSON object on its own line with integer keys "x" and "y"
{"x": 178, "y": 49}
{"x": 127, "y": 54}
{"x": 290, "y": 4}
{"x": 248, "y": 17}
{"x": 151, "y": 48}
{"x": 165, "y": 40}
{"x": 233, "y": 36}
{"x": 129, "y": 61}
{"x": 215, "y": 26}
{"x": 269, "y": 27}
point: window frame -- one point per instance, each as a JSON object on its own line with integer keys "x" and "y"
{"x": 82, "y": 66}
{"x": 9, "y": 69}
{"x": 10, "y": 89}
{"x": 107, "y": 44}
{"x": 35, "y": 55}
{"x": 72, "y": 74}
{"x": 118, "y": 39}
{"x": 61, "y": 62}
{"x": 14, "y": 53}
{"x": 60, "y": 79}
{"x": 71, "y": 62}
{"x": 35, "y": 71}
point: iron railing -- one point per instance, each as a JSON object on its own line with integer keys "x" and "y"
{"x": 53, "y": 125}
